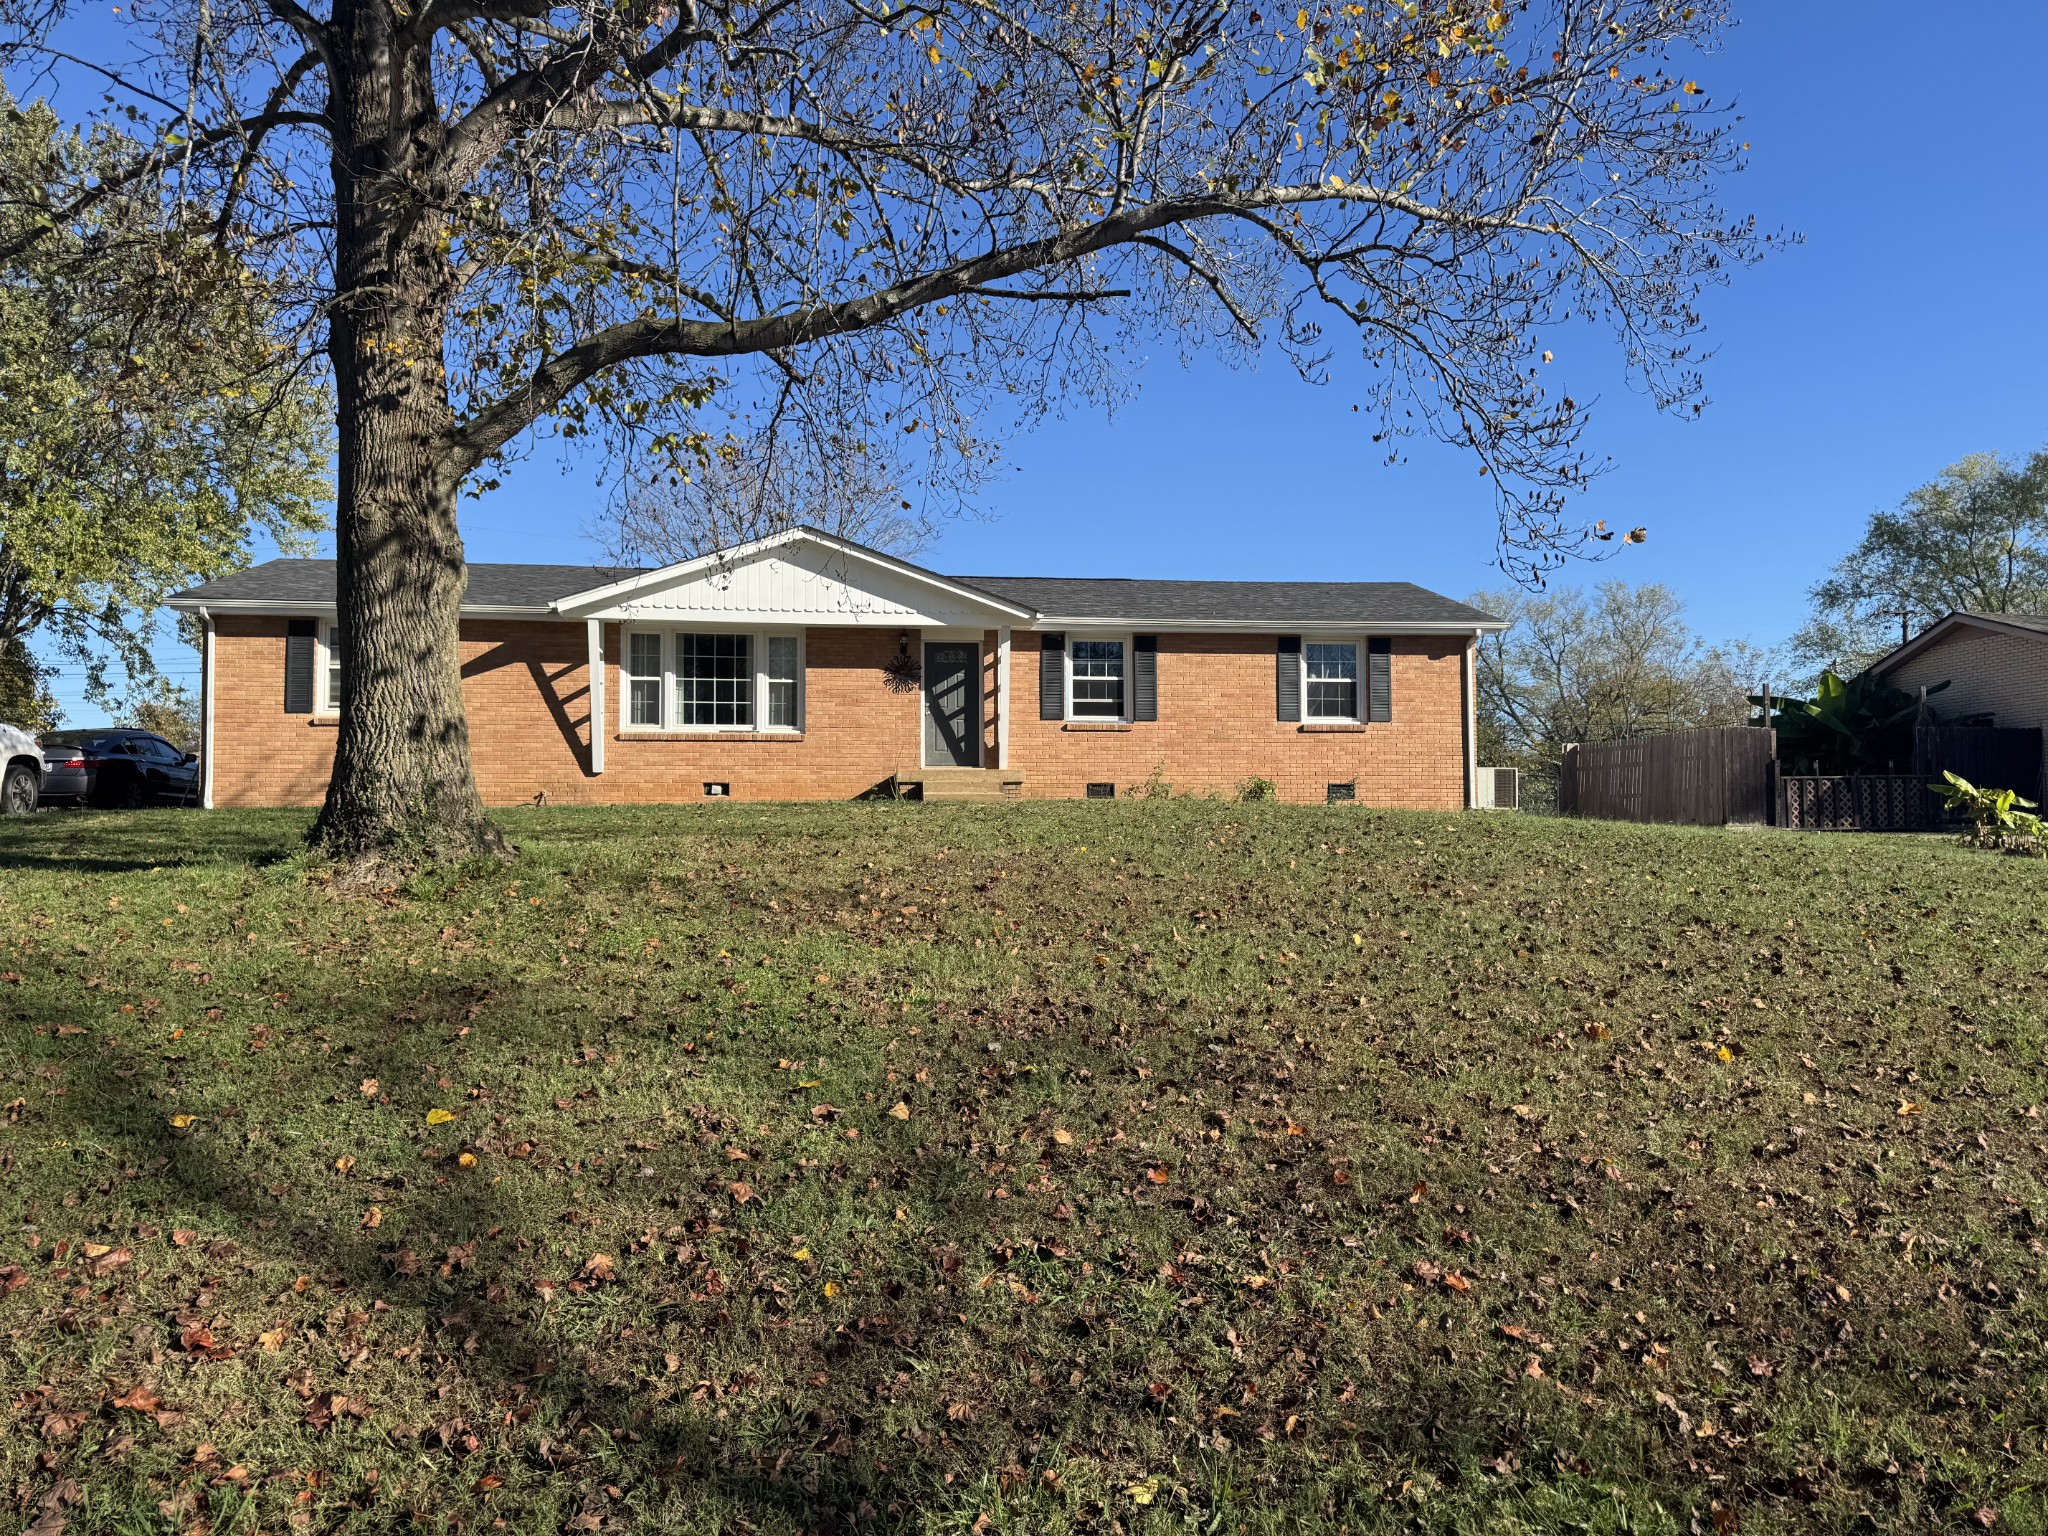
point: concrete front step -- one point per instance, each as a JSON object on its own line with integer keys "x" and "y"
{"x": 985, "y": 786}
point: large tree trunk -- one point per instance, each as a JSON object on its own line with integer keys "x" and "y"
{"x": 403, "y": 791}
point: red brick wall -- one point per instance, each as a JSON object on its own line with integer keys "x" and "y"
{"x": 1216, "y": 726}
{"x": 527, "y": 689}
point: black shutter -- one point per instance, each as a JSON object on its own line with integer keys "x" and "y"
{"x": 1379, "y": 680}
{"x": 1052, "y": 677}
{"x": 1287, "y": 677}
{"x": 1144, "y": 677}
{"x": 298, "y": 666}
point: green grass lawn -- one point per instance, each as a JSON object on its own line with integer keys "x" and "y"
{"x": 1141, "y": 1167}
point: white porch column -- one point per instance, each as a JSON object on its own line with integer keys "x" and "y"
{"x": 594, "y": 628}
{"x": 1003, "y": 697}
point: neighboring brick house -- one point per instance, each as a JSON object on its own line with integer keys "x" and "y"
{"x": 1995, "y": 664}
{"x": 806, "y": 667}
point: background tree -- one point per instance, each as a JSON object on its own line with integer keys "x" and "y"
{"x": 25, "y": 698}
{"x": 616, "y": 216}
{"x": 747, "y": 490}
{"x": 170, "y": 712}
{"x": 1974, "y": 538}
{"x": 149, "y": 425}
{"x": 1617, "y": 662}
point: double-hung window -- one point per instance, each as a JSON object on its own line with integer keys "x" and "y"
{"x": 1097, "y": 686}
{"x": 714, "y": 680}
{"x": 1331, "y": 671}
{"x": 643, "y": 678}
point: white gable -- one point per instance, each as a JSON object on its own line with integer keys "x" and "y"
{"x": 803, "y": 580}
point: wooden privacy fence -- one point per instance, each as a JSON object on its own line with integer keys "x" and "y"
{"x": 1731, "y": 774}
{"x": 1703, "y": 778}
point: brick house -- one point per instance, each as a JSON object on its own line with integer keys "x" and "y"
{"x": 805, "y": 667}
{"x": 1995, "y": 665}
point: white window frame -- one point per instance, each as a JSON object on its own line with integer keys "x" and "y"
{"x": 1129, "y": 644}
{"x": 671, "y": 651}
{"x": 1360, "y": 683}
{"x": 326, "y": 698}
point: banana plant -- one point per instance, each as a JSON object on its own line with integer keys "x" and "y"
{"x": 1858, "y": 725}
{"x": 1993, "y": 810}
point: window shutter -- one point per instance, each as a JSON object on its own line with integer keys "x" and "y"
{"x": 1287, "y": 677}
{"x": 1144, "y": 677}
{"x": 298, "y": 666}
{"x": 1379, "y": 678}
{"x": 1052, "y": 677}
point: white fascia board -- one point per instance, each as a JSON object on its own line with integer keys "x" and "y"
{"x": 269, "y": 608}
{"x": 610, "y": 597}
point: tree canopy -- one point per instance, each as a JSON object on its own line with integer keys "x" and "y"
{"x": 1974, "y": 538}
{"x": 148, "y": 426}
{"x": 681, "y": 224}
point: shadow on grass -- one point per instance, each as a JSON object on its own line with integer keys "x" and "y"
{"x": 123, "y": 842}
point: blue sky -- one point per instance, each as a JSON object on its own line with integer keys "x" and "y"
{"x": 1908, "y": 330}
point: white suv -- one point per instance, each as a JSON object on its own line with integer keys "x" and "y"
{"x": 21, "y": 772}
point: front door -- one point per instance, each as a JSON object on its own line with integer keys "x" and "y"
{"x": 952, "y": 734}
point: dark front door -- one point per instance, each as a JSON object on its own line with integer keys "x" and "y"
{"x": 951, "y": 736}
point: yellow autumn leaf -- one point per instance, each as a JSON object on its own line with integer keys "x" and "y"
{"x": 272, "y": 1340}
{"x": 900, "y": 1112}
{"x": 440, "y": 1116}
{"x": 801, "y": 1254}
{"x": 831, "y": 1289}
{"x": 467, "y": 1160}
{"x": 932, "y": 53}
{"x": 1725, "y": 1054}
{"x": 1301, "y": 20}
{"x": 1063, "y": 1136}
{"x": 179, "y": 1122}
{"x": 343, "y": 1163}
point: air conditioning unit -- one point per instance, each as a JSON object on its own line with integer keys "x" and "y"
{"x": 1499, "y": 789}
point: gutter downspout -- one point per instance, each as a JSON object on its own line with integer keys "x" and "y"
{"x": 1466, "y": 686}
{"x": 206, "y": 711}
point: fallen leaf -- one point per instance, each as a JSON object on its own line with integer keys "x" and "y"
{"x": 600, "y": 1268}
{"x": 343, "y": 1163}
{"x": 466, "y": 1160}
{"x": 1157, "y": 1175}
{"x": 179, "y": 1122}
{"x": 182, "y": 1237}
{"x": 1063, "y": 1136}
{"x": 831, "y": 1289}
{"x": 440, "y": 1116}
{"x": 373, "y": 1218}
{"x": 370, "y": 1087}
{"x": 138, "y": 1399}
{"x": 272, "y": 1340}
{"x": 741, "y": 1191}
{"x": 900, "y": 1112}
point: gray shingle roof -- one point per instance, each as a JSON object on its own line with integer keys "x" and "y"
{"x": 490, "y": 586}
{"x": 1238, "y": 603}
{"x": 1230, "y": 602}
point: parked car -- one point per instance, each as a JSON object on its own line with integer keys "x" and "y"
{"x": 21, "y": 771}
{"x": 116, "y": 767}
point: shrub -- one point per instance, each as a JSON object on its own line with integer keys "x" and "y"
{"x": 1255, "y": 788}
